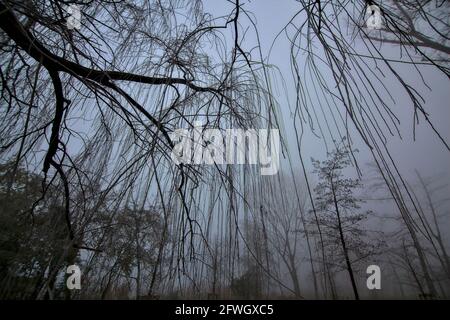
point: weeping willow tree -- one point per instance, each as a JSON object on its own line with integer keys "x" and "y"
{"x": 92, "y": 109}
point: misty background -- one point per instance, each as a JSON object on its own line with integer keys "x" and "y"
{"x": 140, "y": 227}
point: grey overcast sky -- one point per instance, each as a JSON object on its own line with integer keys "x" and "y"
{"x": 426, "y": 153}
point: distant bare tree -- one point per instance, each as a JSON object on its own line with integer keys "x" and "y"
{"x": 340, "y": 213}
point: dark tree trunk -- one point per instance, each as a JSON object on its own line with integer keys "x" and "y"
{"x": 344, "y": 247}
